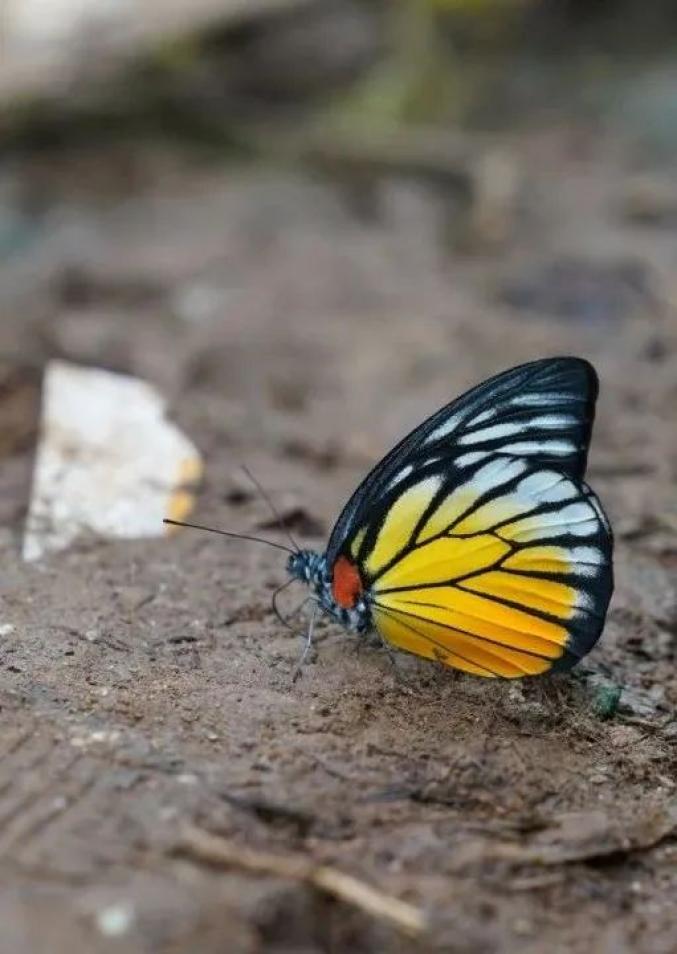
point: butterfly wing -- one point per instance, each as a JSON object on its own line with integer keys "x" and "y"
{"x": 543, "y": 411}
{"x": 476, "y": 538}
{"x": 513, "y": 583}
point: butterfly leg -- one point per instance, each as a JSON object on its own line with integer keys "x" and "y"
{"x": 366, "y": 639}
{"x": 358, "y": 643}
{"x": 392, "y": 656}
{"x": 285, "y": 620}
{"x": 295, "y": 612}
{"x": 307, "y": 645}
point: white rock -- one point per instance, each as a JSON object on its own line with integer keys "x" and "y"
{"x": 50, "y": 47}
{"x": 35, "y": 23}
{"x": 108, "y": 462}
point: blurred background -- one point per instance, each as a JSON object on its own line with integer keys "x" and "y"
{"x": 201, "y": 192}
{"x": 294, "y": 210}
{"x": 309, "y": 223}
{"x": 282, "y": 203}
{"x": 293, "y": 215}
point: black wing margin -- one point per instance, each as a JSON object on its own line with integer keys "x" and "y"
{"x": 542, "y": 412}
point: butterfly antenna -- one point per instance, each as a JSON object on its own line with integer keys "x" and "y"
{"x": 273, "y": 602}
{"x": 276, "y": 513}
{"x": 229, "y": 533}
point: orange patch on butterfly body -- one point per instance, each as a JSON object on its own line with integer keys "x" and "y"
{"x": 346, "y": 584}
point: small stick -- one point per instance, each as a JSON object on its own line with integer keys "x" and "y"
{"x": 644, "y": 723}
{"x": 211, "y": 849}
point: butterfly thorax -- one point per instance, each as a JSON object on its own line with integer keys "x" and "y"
{"x": 338, "y": 590}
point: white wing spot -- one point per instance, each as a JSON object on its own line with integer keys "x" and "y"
{"x": 539, "y": 447}
{"x": 484, "y": 416}
{"x": 497, "y": 472}
{"x": 585, "y": 561}
{"x": 547, "y": 487}
{"x": 534, "y": 400}
{"x": 571, "y": 515}
{"x": 474, "y": 457}
{"x": 491, "y": 433}
{"x": 587, "y": 555}
{"x": 551, "y": 422}
{"x": 548, "y": 422}
{"x": 444, "y": 429}
{"x": 400, "y": 475}
{"x": 584, "y": 601}
{"x": 577, "y": 519}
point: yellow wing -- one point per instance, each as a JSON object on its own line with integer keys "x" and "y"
{"x": 508, "y": 575}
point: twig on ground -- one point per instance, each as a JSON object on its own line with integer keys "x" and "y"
{"x": 644, "y": 723}
{"x": 329, "y": 769}
{"x": 211, "y": 849}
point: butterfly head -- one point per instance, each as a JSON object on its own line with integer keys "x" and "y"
{"x": 337, "y": 590}
{"x": 308, "y": 566}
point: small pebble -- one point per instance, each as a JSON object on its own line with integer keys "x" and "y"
{"x": 621, "y": 736}
{"x": 187, "y": 778}
{"x": 115, "y": 920}
{"x": 523, "y": 927}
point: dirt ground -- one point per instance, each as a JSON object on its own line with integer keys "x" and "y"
{"x": 146, "y": 686}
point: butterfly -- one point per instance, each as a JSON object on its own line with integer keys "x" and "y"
{"x": 476, "y": 542}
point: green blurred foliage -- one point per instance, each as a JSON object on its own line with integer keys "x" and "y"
{"x": 423, "y": 77}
